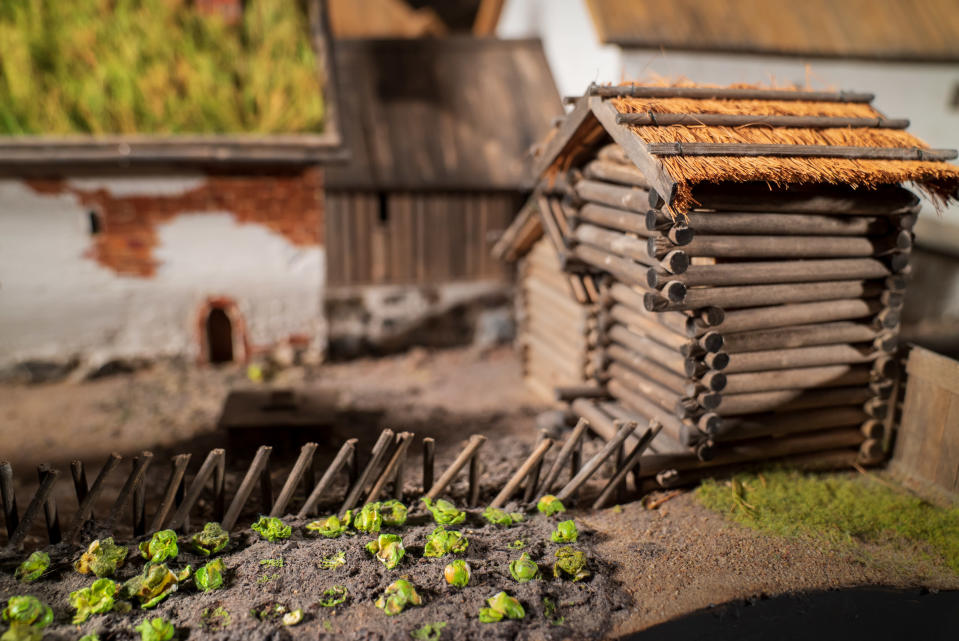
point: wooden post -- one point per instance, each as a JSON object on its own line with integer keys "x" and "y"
{"x": 380, "y": 448}
{"x": 79, "y": 479}
{"x": 625, "y": 467}
{"x": 196, "y": 487}
{"x": 514, "y": 482}
{"x": 177, "y": 470}
{"x": 475, "y": 472}
{"x": 85, "y": 510}
{"x": 532, "y": 481}
{"x": 404, "y": 439}
{"x": 50, "y": 509}
{"x": 342, "y": 460}
{"x": 625, "y": 430}
{"x": 303, "y": 461}
{"x": 33, "y": 510}
{"x": 475, "y": 442}
{"x": 8, "y": 494}
{"x": 429, "y": 449}
{"x": 140, "y": 465}
{"x": 252, "y": 476}
{"x": 566, "y": 451}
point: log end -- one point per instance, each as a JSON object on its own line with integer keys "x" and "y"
{"x": 676, "y": 261}
{"x": 656, "y": 201}
{"x": 675, "y": 291}
{"x": 716, "y": 381}
{"x": 710, "y": 401}
{"x": 712, "y": 341}
{"x": 717, "y": 361}
{"x": 681, "y": 235}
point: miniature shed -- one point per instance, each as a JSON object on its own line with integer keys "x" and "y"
{"x": 438, "y": 132}
{"x": 745, "y": 253}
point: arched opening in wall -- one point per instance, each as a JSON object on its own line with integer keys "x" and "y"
{"x": 219, "y": 336}
{"x": 221, "y": 332}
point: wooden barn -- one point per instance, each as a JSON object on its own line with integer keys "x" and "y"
{"x": 728, "y": 261}
{"x": 439, "y": 132}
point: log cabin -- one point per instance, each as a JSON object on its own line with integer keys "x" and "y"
{"x": 730, "y": 262}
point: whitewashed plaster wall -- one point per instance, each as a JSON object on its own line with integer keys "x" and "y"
{"x": 56, "y": 303}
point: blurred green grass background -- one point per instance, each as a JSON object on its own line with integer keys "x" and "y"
{"x": 155, "y": 67}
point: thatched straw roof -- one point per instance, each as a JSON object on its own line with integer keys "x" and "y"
{"x": 751, "y": 134}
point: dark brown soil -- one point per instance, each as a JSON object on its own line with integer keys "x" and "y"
{"x": 585, "y": 607}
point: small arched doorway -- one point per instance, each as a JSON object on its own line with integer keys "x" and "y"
{"x": 219, "y": 336}
{"x": 221, "y": 332}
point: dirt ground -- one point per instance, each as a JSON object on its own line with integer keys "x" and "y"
{"x": 669, "y": 561}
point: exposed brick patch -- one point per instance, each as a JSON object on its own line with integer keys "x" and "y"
{"x": 288, "y": 203}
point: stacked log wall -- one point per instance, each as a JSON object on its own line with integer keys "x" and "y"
{"x": 758, "y": 326}
{"x": 558, "y": 333}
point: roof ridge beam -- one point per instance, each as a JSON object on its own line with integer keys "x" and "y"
{"x": 745, "y": 120}
{"x": 785, "y": 151}
{"x": 720, "y": 93}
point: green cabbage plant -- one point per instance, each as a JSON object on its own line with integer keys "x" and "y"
{"x": 565, "y": 532}
{"x": 210, "y": 576}
{"x": 369, "y": 519}
{"x": 444, "y": 512}
{"x": 210, "y": 540}
{"x": 334, "y": 596}
{"x": 550, "y": 505}
{"x": 523, "y": 569}
{"x": 570, "y": 563}
{"x": 500, "y": 517}
{"x": 501, "y": 605}
{"x": 397, "y": 596}
{"x": 33, "y": 568}
{"x": 332, "y": 526}
{"x": 393, "y": 513}
{"x": 156, "y": 629}
{"x": 292, "y": 617}
{"x": 457, "y": 573}
{"x": 161, "y": 546}
{"x": 442, "y": 542}
{"x": 96, "y": 599}
{"x": 388, "y": 548}
{"x": 27, "y": 617}
{"x": 102, "y": 558}
{"x": 156, "y": 583}
{"x": 272, "y": 528}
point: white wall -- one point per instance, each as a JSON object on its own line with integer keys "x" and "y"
{"x": 56, "y": 302}
{"x": 576, "y": 57}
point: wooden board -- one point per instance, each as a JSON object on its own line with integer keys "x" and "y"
{"x": 927, "y": 442}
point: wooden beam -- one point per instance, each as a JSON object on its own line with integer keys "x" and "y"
{"x": 719, "y": 93}
{"x": 664, "y": 149}
{"x": 746, "y": 120}
{"x": 659, "y": 179}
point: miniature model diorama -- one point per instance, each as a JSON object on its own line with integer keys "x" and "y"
{"x": 688, "y": 440}
{"x": 729, "y": 262}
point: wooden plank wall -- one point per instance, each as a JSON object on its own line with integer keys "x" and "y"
{"x": 927, "y": 442}
{"x": 424, "y": 238}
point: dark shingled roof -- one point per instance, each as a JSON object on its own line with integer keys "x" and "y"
{"x": 925, "y": 30}
{"x": 455, "y": 113}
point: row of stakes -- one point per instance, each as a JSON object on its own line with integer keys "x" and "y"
{"x": 387, "y": 457}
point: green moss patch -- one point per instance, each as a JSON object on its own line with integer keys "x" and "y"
{"x": 838, "y": 509}
{"x": 155, "y": 66}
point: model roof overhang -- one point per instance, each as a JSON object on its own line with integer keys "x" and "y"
{"x": 683, "y": 136}
{"x": 457, "y": 113}
{"x": 686, "y": 139}
{"x": 27, "y": 153}
{"x": 902, "y": 30}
